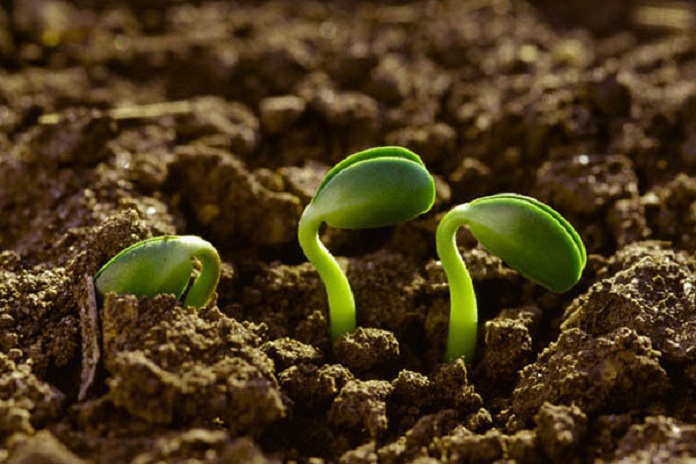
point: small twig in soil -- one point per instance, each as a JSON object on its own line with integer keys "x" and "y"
{"x": 153, "y": 110}
{"x": 677, "y": 16}
{"x": 90, "y": 338}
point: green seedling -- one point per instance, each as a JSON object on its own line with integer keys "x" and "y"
{"x": 528, "y": 235}
{"x": 186, "y": 266}
{"x": 379, "y": 187}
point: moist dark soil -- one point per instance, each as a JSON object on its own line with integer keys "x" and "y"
{"x": 122, "y": 120}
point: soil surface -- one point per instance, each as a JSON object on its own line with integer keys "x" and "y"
{"x": 134, "y": 119}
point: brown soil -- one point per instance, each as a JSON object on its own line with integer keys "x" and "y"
{"x": 142, "y": 118}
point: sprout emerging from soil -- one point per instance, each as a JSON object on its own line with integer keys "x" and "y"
{"x": 186, "y": 266}
{"x": 528, "y": 235}
{"x": 378, "y": 187}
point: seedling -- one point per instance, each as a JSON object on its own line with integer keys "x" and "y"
{"x": 186, "y": 266}
{"x": 528, "y": 235}
{"x": 378, "y": 187}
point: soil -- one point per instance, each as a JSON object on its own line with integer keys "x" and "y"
{"x": 131, "y": 119}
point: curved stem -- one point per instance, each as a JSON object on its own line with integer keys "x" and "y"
{"x": 340, "y": 296}
{"x": 204, "y": 285}
{"x": 463, "y": 324}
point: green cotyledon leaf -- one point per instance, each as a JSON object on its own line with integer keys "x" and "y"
{"x": 371, "y": 153}
{"x": 163, "y": 265}
{"x": 530, "y": 237}
{"x": 376, "y": 188}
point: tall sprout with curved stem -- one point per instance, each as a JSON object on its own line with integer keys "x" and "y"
{"x": 378, "y": 187}
{"x": 528, "y": 235}
{"x": 185, "y": 266}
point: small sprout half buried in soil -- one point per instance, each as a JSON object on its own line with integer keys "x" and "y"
{"x": 378, "y": 187}
{"x": 525, "y": 233}
{"x": 164, "y": 264}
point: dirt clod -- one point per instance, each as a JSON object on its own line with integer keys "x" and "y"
{"x": 366, "y": 349}
{"x": 561, "y": 430}
{"x": 658, "y": 438}
{"x": 508, "y": 346}
{"x": 361, "y": 406}
{"x": 654, "y": 294}
{"x": 311, "y": 386}
{"x": 227, "y": 380}
{"x": 619, "y": 370}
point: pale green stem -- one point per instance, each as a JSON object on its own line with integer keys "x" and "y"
{"x": 463, "y": 324}
{"x": 340, "y": 296}
{"x": 204, "y": 285}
